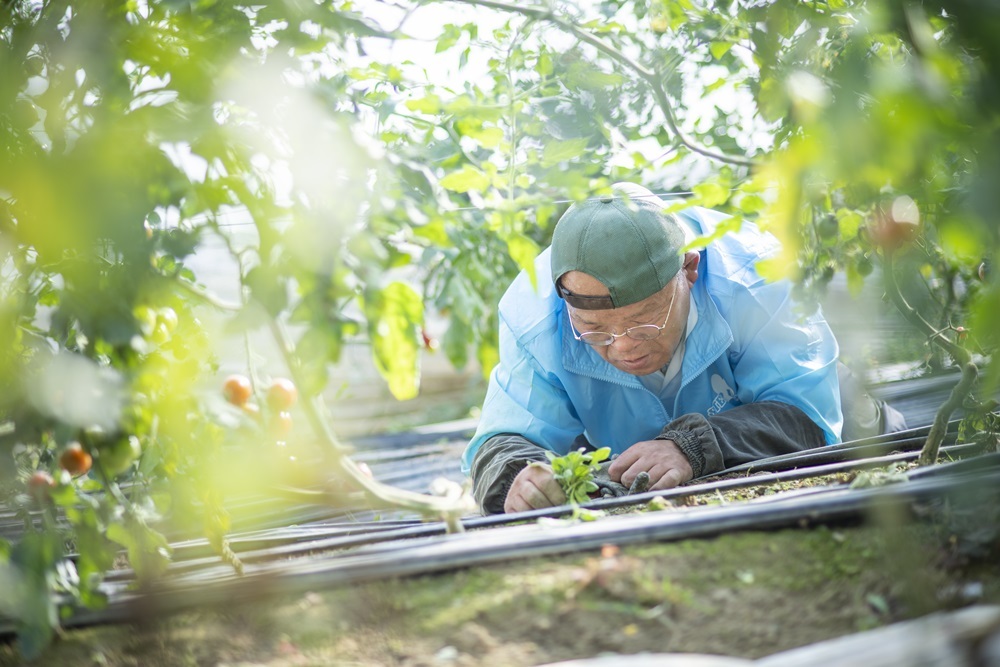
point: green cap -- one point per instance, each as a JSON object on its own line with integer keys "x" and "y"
{"x": 625, "y": 241}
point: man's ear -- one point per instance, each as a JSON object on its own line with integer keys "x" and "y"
{"x": 690, "y": 266}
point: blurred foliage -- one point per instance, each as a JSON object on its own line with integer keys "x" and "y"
{"x": 380, "y": 189}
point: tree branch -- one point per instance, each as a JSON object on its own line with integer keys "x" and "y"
{"x": 651, "y": 77}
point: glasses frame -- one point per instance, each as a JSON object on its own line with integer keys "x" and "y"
{"x": 628, "y": 332}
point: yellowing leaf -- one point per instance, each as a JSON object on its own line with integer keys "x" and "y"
{"x": 394, "y": 314}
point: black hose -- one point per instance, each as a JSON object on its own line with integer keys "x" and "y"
{"x": 428, "y": 555}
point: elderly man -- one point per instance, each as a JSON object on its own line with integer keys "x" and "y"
{"x": 683, "y": 363}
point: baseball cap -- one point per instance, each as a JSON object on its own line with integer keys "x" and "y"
{"x": 626, "y": 241}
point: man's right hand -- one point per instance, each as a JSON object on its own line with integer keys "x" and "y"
{"x": 534, "y": 488}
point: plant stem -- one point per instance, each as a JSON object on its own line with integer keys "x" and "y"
{"x": 970, "y": 372}
{"x": 381, "y": 495}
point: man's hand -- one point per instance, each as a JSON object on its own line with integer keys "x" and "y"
{"x": 662, "y": 459}
{"x": 534, "y": 488}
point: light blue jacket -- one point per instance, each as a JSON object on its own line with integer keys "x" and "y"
{"x": 749, "y": 345}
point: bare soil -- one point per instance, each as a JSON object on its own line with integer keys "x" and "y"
{"x": 747, "y": 595}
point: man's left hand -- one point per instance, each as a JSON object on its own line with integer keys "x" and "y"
{"x": 662, "y": 459}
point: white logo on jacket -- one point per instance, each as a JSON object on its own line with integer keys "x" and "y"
{"x": 723, "y": 394}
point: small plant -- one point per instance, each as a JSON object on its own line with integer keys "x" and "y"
{"x": 575, "y": 472}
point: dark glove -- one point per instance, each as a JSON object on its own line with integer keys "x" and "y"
{"x": 606, "y": 488}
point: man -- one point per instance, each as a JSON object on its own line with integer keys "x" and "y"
{"x": 683, "y": 363}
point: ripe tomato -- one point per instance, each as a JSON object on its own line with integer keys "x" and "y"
{"x": 40, "y": 483}
{"x": 237, "y": 389}
{"x": 896, "y": 225}
{"x": 281, "y": 395}
{"x": 75, "y": 460}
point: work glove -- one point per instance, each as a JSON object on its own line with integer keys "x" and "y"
{"x": 606, "y": 488}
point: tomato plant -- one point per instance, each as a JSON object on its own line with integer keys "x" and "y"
{"x": 354, "y": 196}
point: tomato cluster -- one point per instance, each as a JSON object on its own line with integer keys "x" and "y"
{"x": 280, "y": 397}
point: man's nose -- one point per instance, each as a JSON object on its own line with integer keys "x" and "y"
{"x": 625, "y": 342}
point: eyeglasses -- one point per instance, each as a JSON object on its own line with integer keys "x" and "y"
{"x": 640, "y": 332}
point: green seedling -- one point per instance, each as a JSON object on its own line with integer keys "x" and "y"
{"x": 575, "y": 472}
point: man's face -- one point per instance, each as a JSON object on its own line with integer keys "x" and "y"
{"x": 637, "y": 357}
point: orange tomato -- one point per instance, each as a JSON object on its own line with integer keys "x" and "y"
{"x": 237, "y": 389}
{"x": 75, "y": 460}
{"x": 281, "y": 395}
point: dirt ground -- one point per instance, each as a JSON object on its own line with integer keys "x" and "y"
{"x": 747, "y": 594}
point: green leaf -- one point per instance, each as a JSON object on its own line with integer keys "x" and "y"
{"x": 487, "y": 137}
{"x": 468, "y": 178}
{"x": 562, "y": 151}
{"x": 773, "y": 269}
{"x": 728, "y": 225}
{"x": 523, "y": 251}
{"x": 711, "y": 195}
{"x": 455, "y": 342}
{"x": 395, "y": 314}
{"x": 601, "y": 454}
{"x": 429, "y": 104}
{"x": 449, "y": 37}
{"x": 719, "y": 49}
{"x": 849, "y": 222}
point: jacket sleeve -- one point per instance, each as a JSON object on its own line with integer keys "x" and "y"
{"x": 745, "y": 433}
{"x": 497, "y": 462}
{"x": 788, "y": 357}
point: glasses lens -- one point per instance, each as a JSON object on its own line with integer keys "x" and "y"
{"x": 597, "y": 338}
{"x": 644, "y": 332}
